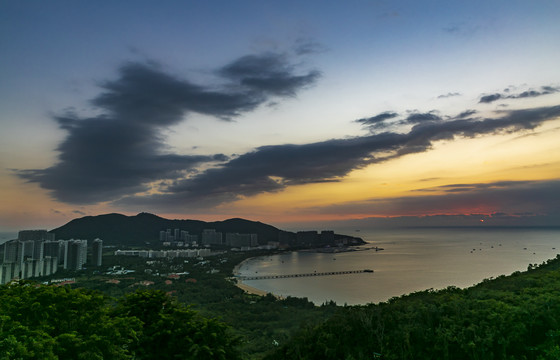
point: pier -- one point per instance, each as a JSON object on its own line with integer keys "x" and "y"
{"x": 329, "y": 273}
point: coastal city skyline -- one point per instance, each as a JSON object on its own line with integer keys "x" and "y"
{"x": 289, "y": 114}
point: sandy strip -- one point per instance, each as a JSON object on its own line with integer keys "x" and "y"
{"x": 249, "y": 289}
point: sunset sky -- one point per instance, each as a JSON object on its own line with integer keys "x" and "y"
{"x": 288, "y": 112}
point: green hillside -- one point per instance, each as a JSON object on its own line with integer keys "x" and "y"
{"x": 118, "y": 229}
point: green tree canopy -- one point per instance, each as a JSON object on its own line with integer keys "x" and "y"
{"x": 48, "y": 322}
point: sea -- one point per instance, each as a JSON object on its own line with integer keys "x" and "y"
{"x": 411, "y": 260}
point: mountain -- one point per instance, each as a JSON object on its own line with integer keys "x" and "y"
{"x": 118, "y": 229}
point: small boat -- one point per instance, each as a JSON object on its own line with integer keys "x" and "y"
{"x": 368, "y": 270}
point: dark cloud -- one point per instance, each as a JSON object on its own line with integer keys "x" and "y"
{"x": 508, "y": 198}
{"x": 269, "y": 73}
{"x": 448, "y": 95}
{"x": 380, "y": 122}
{"x": 466, "y": 114}
{"x": 104, "y": 158}
{"x": 377, "y": 119}
{"x": 122, "y": 151}
{"x": 417, "y": 118}
{"x": 549, "y": 89}
{"x": 545, "y": 90}
{"x": 456, "y": 188}
{"x": 305, "y": 46}
{"x": 526, "y": 94}
{"x": 145, "y": 94}
{"x": 490, "y": 98}
{"x": 272, "y": 168}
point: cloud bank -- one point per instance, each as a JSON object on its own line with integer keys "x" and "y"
{"x": 274, "y": 167}
{"x": 120, "y": 156}
{"x": 122, "y": 151}
{"x": 508, "y": 198}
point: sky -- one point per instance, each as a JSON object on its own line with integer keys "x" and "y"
{"x": 297, "y": 114}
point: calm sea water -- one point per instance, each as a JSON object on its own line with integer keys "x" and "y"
{"x": 412, "y": 260}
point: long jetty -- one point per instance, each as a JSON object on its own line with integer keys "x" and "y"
{"x": 329, "y": 273}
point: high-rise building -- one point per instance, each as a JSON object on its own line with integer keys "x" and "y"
{"x": 28, "y": 249}
{"x": 97, "y": 252}
{"x": 76, "y": 254}
{"x": 12, "y": 251}
{"x": 50, "y": 265}
{"x": 42, "y": 235}
{"x": 38, "y": 249}
{"x": 241, "y": 240}
{"x": 211, "y": 237}
{"x": 8, "y": 272}
{"x": 54, "y": 249}
{"x": 25, "y": 257}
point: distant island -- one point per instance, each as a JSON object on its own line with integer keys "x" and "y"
{"x": 146, "y": 228}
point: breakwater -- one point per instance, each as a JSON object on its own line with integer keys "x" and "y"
{"x": 328, "y": 273}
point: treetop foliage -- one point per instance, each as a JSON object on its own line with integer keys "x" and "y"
{"x": 48, "y": 322}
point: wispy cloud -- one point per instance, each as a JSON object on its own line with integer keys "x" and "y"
{"x": 448, "y": 95}
{"x": 378, "y": 121}
{"x": 545, "y": 90}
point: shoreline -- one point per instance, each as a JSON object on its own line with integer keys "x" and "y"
{"x": 240, "y": 284}
{"x": 255, "y": 291}
{"x": 246, "y": 288}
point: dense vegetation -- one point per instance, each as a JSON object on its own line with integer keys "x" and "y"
{"x": 259, "y": 322}
{"x": 513, "y": 317}
{"x": 49, "y": 322}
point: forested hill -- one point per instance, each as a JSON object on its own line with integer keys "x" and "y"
{"x": 120, "y": 229}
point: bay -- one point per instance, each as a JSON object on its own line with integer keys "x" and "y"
{"x": 412, "y": 260}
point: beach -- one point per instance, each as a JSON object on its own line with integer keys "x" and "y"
{"x": 239, "y": 283}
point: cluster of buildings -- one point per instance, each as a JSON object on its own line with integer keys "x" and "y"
{"x": 190, "y": 253}
{"x": 180, "y": 238}
{"x": 177, "y": 236}
{"x": 36, "y": 253}
{"x": 211, "y": 237}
